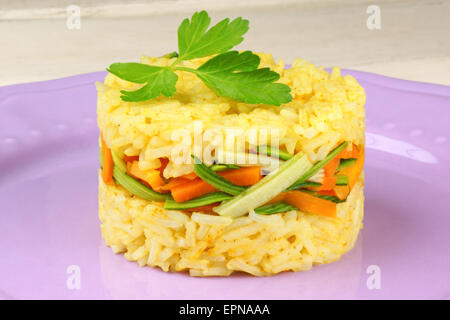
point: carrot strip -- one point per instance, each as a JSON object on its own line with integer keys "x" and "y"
{"x": 130, "y": 158}
{"x": 108, "y": 163}
{"x": 164, "y": 163}
{"x": 191, "y": 190}
{"x": 314, "y": 188}
{"x": 152, "y": 177}
{"x": 328, "y": 183}
{"x": 311, "y": 204}
{"x": 242, "y": 177}
{"x": 326, "y": 193}
{"x": 206, "y": 209}
{"x": 341, "y": 192}
{"x": 189, "y": 176}
{"x": 280, "y": 197}
{"x": 354, "y": 171}
{"x": 245, "y": 176}
{"x": 330, "y": 167}
{"x": 346, "y": 154}
{"x": 174, "y": 182}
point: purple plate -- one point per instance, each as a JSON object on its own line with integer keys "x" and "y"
{"x": 50, "y": 237}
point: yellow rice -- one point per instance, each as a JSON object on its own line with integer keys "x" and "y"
{"x": 326, "y": 108}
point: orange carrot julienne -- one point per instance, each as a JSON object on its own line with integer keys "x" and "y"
{"x": 341, "y": 192}
{"x": 245, "y": 176}
{"x": 152, "y": 177}
{"x": 326, "y": 193}
{"x": 346, "y": 154}
{"x": 189, "y": 176}
{"x": 314, "y": 188}
{"x": 174, "y": 182}
{"x": 278, "y": 198}
{"x": 108, "y": 163}
{"x": 242, "y": 177}
{"x": 311, "y": 204}
{"x": 328, "y": 183}
{"x": 130, "y": 158}
{"x": 330, "y": 167}
{"x": 191, "y": 190}
{"x": 164, "y": 163}
{"x": 353, "y": 172}
{"x": 206, "y": 209}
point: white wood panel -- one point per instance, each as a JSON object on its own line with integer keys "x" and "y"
{"x": 413, "y": 42}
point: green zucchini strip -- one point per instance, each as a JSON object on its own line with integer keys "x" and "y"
{"x": 345, "y": 163}
{"x": 135, "y": 187}
{"x": 197, "y": 202}
{"x": 118, "y": 161}
{"x": 131, "y": 184}
{"x": 306, "y": 184}
{"x": 329, "y": 198}
{"x": 341, "y": 180}
{"x": 319, "y": 165}
{"x": 100, "y": 157}
{"x": 222, "y": 167}
{"x": 267, "y": 188}
{"x": 209, "y": 176}
{"x": 274, "y": 152}
{"x": 274, "y": 208}
{"x": 267, "y": 163}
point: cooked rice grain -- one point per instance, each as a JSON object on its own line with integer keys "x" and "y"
{"x": 326, "y": 108}
{"x": 207, "y": 245}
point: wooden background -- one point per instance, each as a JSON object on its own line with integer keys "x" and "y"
{"x": 413, "y": 42}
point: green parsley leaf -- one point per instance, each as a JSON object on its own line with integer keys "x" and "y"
{"x": 195, "y": 42}
{"x": 234, "y": 75}
{"x": 230, "y": 73}
{"x": 231, "y": 61}
{"x": 158, "y": 80}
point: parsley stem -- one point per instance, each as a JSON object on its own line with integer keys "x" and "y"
{"x": 177, "y": 60}
{"x": 185, "y": 69}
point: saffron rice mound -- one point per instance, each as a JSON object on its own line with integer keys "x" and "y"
{"x": 326, "y": 108}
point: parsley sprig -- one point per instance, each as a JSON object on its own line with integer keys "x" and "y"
{"x": 229, "y": 73}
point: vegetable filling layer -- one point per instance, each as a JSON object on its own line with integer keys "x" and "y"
{"x": 231, "y": 190}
